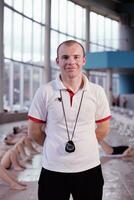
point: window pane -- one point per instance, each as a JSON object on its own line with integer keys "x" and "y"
{"x": 70, "y": 19}
{"x": 108, "y": 32}
{"x": 70, "y": 38}
{"x": 6, "y": 85}
{"x": 27, "y": 92}
{"x": 17, "y": 36}
{"x": 115, "y": 34}
{"x": 54, "y": 45}
{"x": 36, "y": 42}
{"x": 63, "y": 15}
{"x": 7, "y": 32}
{"x": 79, "y": 21}
{"x": 55, "y": 14}
{"x": 37, "y": 10}
{"x": 9, "y": 2}
{"x": 43, "y": 11}
{"x": 16, "y": 91}
{"x": 27, "y": 40}
{"x": 100, "y": 48}
{"x": 83, "y": 23}
{"x": 18, "y": 5}
{"x": 93, "y": 47}
{"x": 101, "y": 30}
{"x": 62, "y": 38}
{"x": 28, "y": 8}
{"x": 36, "y": 79}
{"x": 93, "y": 27}
{"x": 42, "y": 44}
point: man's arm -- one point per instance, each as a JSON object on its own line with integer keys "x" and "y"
{"x": 106, "y": 147}
{"x": 102, "y": 130}
{"x": 35, "y": 132}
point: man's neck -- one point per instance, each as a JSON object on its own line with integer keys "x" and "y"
{"x": 74, "y": 84}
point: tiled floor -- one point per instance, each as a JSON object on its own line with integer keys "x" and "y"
{"x": 118, "y": 175}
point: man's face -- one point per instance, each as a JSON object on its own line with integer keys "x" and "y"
{"x": 70, "y": 60}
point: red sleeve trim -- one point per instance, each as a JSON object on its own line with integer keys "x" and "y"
{"x": 35, "y": 119}
{"x": 104, "y": 119}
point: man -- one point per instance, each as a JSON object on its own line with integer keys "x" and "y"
{"x": 63, "y": 118}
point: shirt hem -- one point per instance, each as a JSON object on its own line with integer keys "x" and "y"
{"x": 104, "y": 119}
{"x": 65, "y": 170}
{"x": 35, "y": 119}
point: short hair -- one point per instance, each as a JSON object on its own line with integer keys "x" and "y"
{"x": 69, "y": 43}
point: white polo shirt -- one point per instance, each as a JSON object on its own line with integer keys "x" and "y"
{"x": 47, "y": 108}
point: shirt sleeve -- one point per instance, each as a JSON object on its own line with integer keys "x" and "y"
{"x": 103, "y": 110}
{"x": 38, "y": 110}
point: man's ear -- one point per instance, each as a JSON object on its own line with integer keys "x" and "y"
{"x": 84, "y": 60}
{"x": 57, "y": 61}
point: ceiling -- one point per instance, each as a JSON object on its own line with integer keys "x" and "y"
{"x": 120, "y": 9}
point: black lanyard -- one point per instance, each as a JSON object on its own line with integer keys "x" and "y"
{"x": 63, "y": 108}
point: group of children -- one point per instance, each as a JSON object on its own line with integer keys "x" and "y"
{"x": 17, "y": 148}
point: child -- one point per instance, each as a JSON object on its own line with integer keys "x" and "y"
{"x": 14, "y": 184}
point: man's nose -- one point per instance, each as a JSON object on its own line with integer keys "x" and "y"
{"x": 71, "y": 60}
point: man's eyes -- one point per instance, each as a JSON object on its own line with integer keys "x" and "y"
{"x": 76, "y": 57}
{"x": 67, "y": 57}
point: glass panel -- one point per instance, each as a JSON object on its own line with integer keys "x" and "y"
{"x": 54, "y": 45}
{"x": 36, "y": 79}
{"x": 93, "y": 27}
{"x": 84, "y": 23}
{"x": 27, "y": 40}
{"x": 43, "y": 11}
{"x": 92, "y": 78}
{"x": 108, "y": 49}
{"x": 36, "y": 43}
{"x": 42, "y": 44}
{"x": 37, "y": 10}
{"x": 115, "y": 84}
{"x": 17, "y": 36}
{"x": 9, "y": 2}
{"x": 6, "y": 97}
{"x": 62, "y": 38}
{"x": 101, "y": 30}
{"x": 93, "y": 47}
{"x": 28, "y": 7}
{"x": 115, "y": 34}
{"x": 108, "y": 32}
{"x": 70, "y": 19}
{"x": 18, "y": 5}
{"x": 54, "y": 71}
{"x": 79, "y": 21}
{"x": 7, "y": 32}
{"x": 63, "y": 15}
{"x": 27, "y": 92}
{"x": 16, "y": 91}
{"x": 100, "y": 80}
{"x": 70, "y": 38}
{"x": 55, "y": 14}
{"x": 100, "y": 48}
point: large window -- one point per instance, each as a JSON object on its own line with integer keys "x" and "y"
{"x": 24, "y": 40}
{"x": 104, "y": 36}
{"x": 24, "y": 43}
{"x": 104, "y": 33}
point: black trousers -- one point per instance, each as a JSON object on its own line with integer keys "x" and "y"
{"x": 87, "y": 185}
